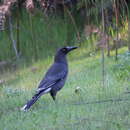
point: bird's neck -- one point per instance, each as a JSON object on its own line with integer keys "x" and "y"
{"x": 61, "y": 59}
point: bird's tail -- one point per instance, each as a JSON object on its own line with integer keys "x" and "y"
{"x": 31, "y": 102}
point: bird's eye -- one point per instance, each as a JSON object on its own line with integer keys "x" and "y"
{"x": 64, "y": 49}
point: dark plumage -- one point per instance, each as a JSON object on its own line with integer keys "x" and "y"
{"x": 54, "y": 79}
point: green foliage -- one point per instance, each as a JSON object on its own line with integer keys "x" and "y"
{"x": 37, "y": 33}
{"x": 123, "y": 67}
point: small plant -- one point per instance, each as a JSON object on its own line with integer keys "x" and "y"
{"x": 123, "y": 67}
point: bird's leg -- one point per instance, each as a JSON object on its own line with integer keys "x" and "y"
{"x": 54, "y": 98}
{"x": 53, "y": 95}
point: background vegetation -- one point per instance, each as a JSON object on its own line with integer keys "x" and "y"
{"x": 100, "y": 68}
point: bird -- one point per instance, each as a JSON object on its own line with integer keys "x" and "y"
{"x": 54, "y": 78}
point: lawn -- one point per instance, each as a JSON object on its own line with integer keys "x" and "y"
{"x": 93, "y": 107}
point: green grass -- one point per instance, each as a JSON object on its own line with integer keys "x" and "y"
{"x": 71, "y": 111}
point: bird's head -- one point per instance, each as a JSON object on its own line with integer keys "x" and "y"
{"x": 66, "y": 50}
{"x": 62, "y": 52}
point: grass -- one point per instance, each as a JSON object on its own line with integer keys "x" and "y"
{"x": 71, "y": 111}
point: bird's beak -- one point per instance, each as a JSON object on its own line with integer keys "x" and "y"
{"x": 72, "y": 48}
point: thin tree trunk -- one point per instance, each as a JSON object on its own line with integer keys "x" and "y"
{"x": 34, "y": 45}
{"x": 116, "y": 51}
{"x": 129, "y": 33}
{"x": 71, "y": 23}
{"x": 127, "y": 6}
{"x": 103, "y": 67}
{"x": 12, "y": 37}
{"x": 107, "y": 29}
{"x": 116, "y": 7}
{"x": 102, "y": 49}
{"x": 108, "y": 48}
{"x": 18, "y": 31}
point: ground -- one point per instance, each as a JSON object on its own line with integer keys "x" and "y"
{"x": 93, "y": 107}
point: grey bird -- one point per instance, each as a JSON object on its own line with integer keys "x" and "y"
{"x": 54, "y": 79}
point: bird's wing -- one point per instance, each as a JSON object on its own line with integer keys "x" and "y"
{"x": 56, "y": 73}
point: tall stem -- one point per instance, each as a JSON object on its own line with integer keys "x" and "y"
{"x": 18, "y": 31}
{"x": 128, "y": 24}
{"x": 117, "y": 31}
{"x": 12, "y": 37}
{"x": 102, "y": 49}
